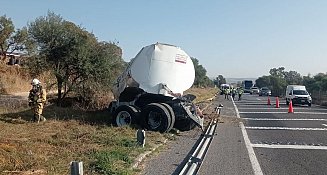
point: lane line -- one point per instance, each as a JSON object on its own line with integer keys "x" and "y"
{"x": 287, "y": 119}
{"x": 253, "y": 158}
{"x": 324, "y": 125}
{"x": 290, "y": 146}
{"x": 311, "y": 113}
{"x": 285, "y": 128}
{"x": 295, "y": 108}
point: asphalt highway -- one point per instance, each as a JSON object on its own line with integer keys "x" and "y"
{"x": 255, "y": 138}
{"x": 285, "y": 143}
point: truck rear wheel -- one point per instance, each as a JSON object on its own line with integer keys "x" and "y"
{"x": 125, "y": 115}
{"x": 172, "y": 115}
{"x": 156, "y": 117}
{"x": 185, "y": 124}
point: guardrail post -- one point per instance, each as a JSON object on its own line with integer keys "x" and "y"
{"x": 76, "y": 168}
{"x": 218, "y": 109}
{"x": 140, "y": 137}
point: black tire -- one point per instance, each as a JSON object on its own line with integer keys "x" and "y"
{"x": 309, "y": 104}
{"x": 125, "y": 115}
{"x": 185, "y": 124}
{"x": 156, "y": 117}
{"x": 172, "y": 115}
{"x": 287, "y": 102}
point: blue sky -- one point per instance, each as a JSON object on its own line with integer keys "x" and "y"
{"x": 235, "y": 38}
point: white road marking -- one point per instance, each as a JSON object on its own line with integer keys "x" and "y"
{"x": 295, "y": 108}
{"x": 259, "y": 99}
{"x": 251, "y": 103}
{"x": 324, "y": 125}
{"x": 290, "y": 146}
{"x": 272, "y": 107}
{"x": 253, "y": 158}
{"x": 286, "y": 128}
{"x": 311, "y": 113}
{"x": 287, "y": 119}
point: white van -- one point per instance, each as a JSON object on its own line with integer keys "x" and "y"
{"x": 223, "y": 87}
{"x": 298, "y": 94}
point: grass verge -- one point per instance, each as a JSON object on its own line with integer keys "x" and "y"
{"x": 68, "y": 135}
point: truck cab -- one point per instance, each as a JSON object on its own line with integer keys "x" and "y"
{"x": 298, "y": 94}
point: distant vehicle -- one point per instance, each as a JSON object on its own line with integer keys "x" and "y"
{"x": 264, "y": 91}
{"x": 223, "y": 87}
{"x": 298, "y": 94}
{"x": 247, "y": 84}
{"x": 254, "y": 90}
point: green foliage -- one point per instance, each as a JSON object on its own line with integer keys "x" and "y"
{"x": 278, "y": 80}
{"x": 201, "y": 78}
{"x": 11, "y": 40}
{"x": 110, "y": 162}
{"x": 79, "y": 62}
{"x": 316, "y": 83}
{"x": 219, "y": 80}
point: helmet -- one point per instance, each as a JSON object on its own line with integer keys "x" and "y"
{"x": 35, "y": 82}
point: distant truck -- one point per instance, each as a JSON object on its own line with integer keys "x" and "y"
{"x": 298, "y": 94}
{"x": 247, "y": 85}
{"x": 150, "y": 91}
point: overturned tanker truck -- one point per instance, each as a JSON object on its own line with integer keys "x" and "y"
{"x": 149, "y": 92}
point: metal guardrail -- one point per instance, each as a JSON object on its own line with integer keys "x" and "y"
{"x": 194, "y": 162}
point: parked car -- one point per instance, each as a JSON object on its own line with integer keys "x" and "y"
{"x": 264, "y": 91}
{"x": 254, "y": 90}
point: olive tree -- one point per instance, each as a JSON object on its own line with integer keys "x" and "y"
{"x": 73, "y": 55}
{"x": 10, "y": 39}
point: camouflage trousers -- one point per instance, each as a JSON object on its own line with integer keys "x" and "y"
{"x": 38, "y": 110}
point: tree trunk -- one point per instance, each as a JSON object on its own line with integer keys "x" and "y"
{"x": 60, "y": 84}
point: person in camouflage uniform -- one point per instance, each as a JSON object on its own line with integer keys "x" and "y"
{"x": 36, "y": 100}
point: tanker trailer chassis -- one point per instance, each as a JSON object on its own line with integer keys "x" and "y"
{"x": 155, "y": 112}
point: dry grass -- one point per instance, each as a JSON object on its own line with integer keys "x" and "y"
{"x": 202, "y": 94}
{"x": 50, "y": 146}
{"x": 69, "y": 134}
{"x": 12, "y": 79}
{"x": 17, "y": 79}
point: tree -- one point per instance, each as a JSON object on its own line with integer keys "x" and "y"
{"x": 263, "y": 81}
{"x": 78, "y": 61}
{"x": 293, "y": 77}
{"x": 220, "y": 80}
{"x": 200, "y": 74}
{"x": 11, "y": 40}
{"x": 277, "y": 72}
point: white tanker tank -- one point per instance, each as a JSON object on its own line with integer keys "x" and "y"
{"x": 150, "y": 91}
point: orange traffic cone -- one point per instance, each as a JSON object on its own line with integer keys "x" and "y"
{"x": 268, "y": 103}
{"x": 277, "y": 102}
{"x": 290, "y": 107}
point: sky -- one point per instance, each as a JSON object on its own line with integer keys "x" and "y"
{"x": 233, "y": 38}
